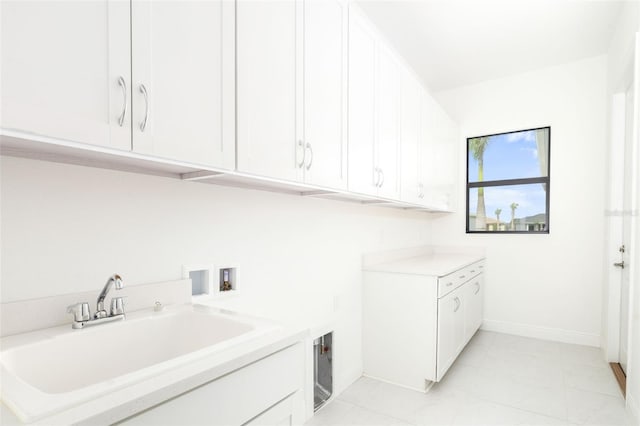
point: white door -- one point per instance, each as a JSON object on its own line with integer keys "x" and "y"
{"x": 325, "y": 107}
{"x": 362, "y": 88}
{"x": 179, "y": 83}
{"x": 626, "y": 229}
{"x": 410, "y": 94}
{"x": 267, "y": 78}
{"x": 387, "y": 121}
{"x": 66, "y": 70}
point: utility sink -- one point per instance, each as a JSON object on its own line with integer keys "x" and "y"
{"x": 51, "y": 369}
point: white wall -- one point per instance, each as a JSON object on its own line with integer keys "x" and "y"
{"x": 65, "y": 229}
{"x": 546, "y": 286}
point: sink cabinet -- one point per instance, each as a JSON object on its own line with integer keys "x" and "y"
{"x": 416, "y": 323}
{"x": 268, "y": 391}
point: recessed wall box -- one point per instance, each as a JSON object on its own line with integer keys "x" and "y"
{"x": 201, "y": 279}
{"x": 228, "y": 280}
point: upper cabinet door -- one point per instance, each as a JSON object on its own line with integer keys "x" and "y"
{"x": 267, "y": 73}
{"x": 410, "y": 96}
{"x": 363, "y": 176}
{"x": 438, "y": 168}
{"x": 183, "y": 87}
{"x": 66, "y": 70}
{"x": 325, "y": 86}
{"x": 388, "y": 109}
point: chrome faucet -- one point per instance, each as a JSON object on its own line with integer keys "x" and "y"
{"x": 82, "y": 314}
{"x": 114, "y": 280}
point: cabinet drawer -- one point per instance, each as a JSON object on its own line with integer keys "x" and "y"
{"x": 450, "y": 282}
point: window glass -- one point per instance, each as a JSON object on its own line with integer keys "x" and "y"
{"x": 510, "y": 208}
{"x": 509, "y": 155}
{"x": 508, "y": 182}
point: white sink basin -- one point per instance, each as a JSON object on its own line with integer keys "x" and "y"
{"x": 51, "y": 369}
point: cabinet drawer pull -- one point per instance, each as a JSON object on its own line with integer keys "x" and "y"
{"x": 449, "y": 284}
{"x": 122, "y": 83}
{"x": 481, "y": 266}
{"x": 478, "y": 290}
{"x": 457, "y": 304}
{"x": 143, "y": 123}
{"x": 462, "y": 277}
{"x": 473, "y": 270}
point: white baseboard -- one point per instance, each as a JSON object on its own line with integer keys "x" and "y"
{"x": 633, "y": 409}
{"x": 544, "y": 333}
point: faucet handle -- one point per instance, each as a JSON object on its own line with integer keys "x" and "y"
{"x": 117, "y": 306}
{"x": 80, "y": 312}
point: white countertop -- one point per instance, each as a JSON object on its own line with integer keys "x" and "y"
{"x": 316, "y": 316}
{"x": 433, "y": 264}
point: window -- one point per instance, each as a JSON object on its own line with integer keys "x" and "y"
{"x": 508, "y": 182}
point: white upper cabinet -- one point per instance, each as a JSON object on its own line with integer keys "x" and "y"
{"x": 303, "y": 91}
{"x": 363, "y": 176}
{"x": 325, "y": 93}
{"x": 66, "y": 70}
{"x": 374, "y": 112}
{"x": 267, "y": 73}
{"x": 155, "y": 77}
{"x": 183, "y": 87}
{"x": 292, "y": 90}
{"x": 411, "y": 95}
{"x": 388, "y": 123}
{"x": 438, "y": 156}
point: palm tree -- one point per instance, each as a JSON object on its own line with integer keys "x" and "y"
{"x": 514, "y": 206}
{"x": 497, "y": 212}
{"x": 477, "y": 146}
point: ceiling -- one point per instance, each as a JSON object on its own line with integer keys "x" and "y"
{"x": 453, "y": 43}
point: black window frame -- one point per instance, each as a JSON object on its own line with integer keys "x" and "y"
{"x": 510, "y": 182}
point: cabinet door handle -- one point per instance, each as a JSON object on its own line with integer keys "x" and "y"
{"x": 457, "y": 300}
{"x": 478, "y": 290}
{"x": 143, "y": 123}
{"x": 304, "y": 154}
{"x": 376, "y": 177}
{"x": 310, "y": 156}
{"x": 382, "y": 176}
{"x": 123, "y": 84}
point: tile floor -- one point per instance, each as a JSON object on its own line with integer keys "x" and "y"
{"x": 498, "y": 379}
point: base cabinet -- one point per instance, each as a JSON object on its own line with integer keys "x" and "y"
{"x": 269, "y": 391}
{"x": 416, "y": 325}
